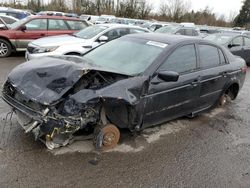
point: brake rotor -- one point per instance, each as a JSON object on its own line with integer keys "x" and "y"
{"x": 111, "y": 136}
{"x": 223, "y": 100}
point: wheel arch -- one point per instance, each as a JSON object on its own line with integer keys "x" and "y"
{"x": 5, "y": 38}
{"x": 73, "y": 53}
{"x": 234, "y": 88}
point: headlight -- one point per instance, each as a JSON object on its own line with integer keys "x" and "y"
{"x": 45, "y": 49}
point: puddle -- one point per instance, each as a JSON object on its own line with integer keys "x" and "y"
{"x": 214, "y": 112}
{"x": 170, "y": 128}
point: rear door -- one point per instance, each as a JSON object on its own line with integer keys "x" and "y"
{"x": 168, "y": 100}
{"x": 35, "y": 29}
{"x": 214, "y": 75}
{"x": 58, "y": 27}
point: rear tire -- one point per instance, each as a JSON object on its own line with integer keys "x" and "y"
{"x": 5, "y": 48}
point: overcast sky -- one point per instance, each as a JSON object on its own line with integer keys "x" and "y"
{"x": 218, "y": 6}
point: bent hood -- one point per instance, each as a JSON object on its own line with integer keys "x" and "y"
{"x": 47, "y": 79}
{"x": 57, "y": 41}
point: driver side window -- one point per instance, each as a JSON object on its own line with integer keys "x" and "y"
{"x": 238, "y": 41}
{"x": 112, "y": 34}
{"x": 37, "y": 24}
{"x": 182, "y": 60}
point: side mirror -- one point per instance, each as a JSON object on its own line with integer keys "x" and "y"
{"x": 168, "y": 76}
{"x": 103, "y": 39}
{"x": 23, "y": 28}
{"x": 233, "y": 45}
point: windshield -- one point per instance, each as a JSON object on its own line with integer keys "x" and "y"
{"x": 18, "y": 23}
{"x": 130, "y": 57}
{"x": 219, "y": 39}
{"x": 90, "y": 32}
{"x": 167, "y": 29}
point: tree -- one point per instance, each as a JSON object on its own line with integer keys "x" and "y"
{"x": 244, "y": 17}
{"x": 174, "y": 9}
{"x": 144, "y": 10}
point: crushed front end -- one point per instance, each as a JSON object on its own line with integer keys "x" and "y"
{"x": 54, "y": 124}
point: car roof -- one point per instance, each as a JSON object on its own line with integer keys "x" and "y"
{"x": 54, "y": 17}
{"x": 164, "y": 38}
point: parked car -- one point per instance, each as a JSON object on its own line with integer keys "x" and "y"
{"x": 236, "y": 32}
{"x": 80, "y": 42}
{"x": 238, "y": 44}
{"x": 19, "y": 34}
{"x": 90, "y": 18}
{"x": 51, "y": 13}
{"x": 104, "y": 19}
{"x": 18, "y": 14}
{"x": 179, "y": 30}
{"x": 133, "y": 82}
{"x": 8, "y": 19}
{"x": 153, "y": 26}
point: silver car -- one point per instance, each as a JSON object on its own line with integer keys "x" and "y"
{"x": 79, "y": 42}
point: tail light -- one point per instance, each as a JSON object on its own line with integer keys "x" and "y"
{"x": 244, "y": 69}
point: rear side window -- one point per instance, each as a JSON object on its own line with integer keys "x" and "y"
{"x": 182, "y": 60}
{"x": 57, "y": 25}
{"x": 76, "y": 25}
{"x": 37, "y": 24}
{"x": 209, "y": 56}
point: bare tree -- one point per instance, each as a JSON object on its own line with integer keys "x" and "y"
{"x": 232, "y": 16}
{"x": 174, "y": 9}
{"x": 144, "y": 9}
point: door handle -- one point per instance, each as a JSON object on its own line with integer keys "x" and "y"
{"x": 195, "y": 83}
{"x": 224, "y": 74}
{"x": 42, "y": 34}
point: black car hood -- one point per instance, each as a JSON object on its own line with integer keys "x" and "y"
{"x": 47, "y": 79}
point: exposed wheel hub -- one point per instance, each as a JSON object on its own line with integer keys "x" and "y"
{"x": 111, "y": 136}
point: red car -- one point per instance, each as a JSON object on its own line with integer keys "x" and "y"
{"x": 15, "y": 37}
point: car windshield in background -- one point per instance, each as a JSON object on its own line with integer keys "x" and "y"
{"x": 90, "y": 32}
{"x": 219, "y": 39}
{"x": 18, "y": 23}
{"x": 167, "y": 29}
{"x": 126, "y": 56}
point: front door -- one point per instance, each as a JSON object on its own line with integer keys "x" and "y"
{"x": 168, "y": 100}
{"x": 35, "y": 29}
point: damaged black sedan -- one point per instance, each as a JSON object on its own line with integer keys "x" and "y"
{"x": 132, "y": 83}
